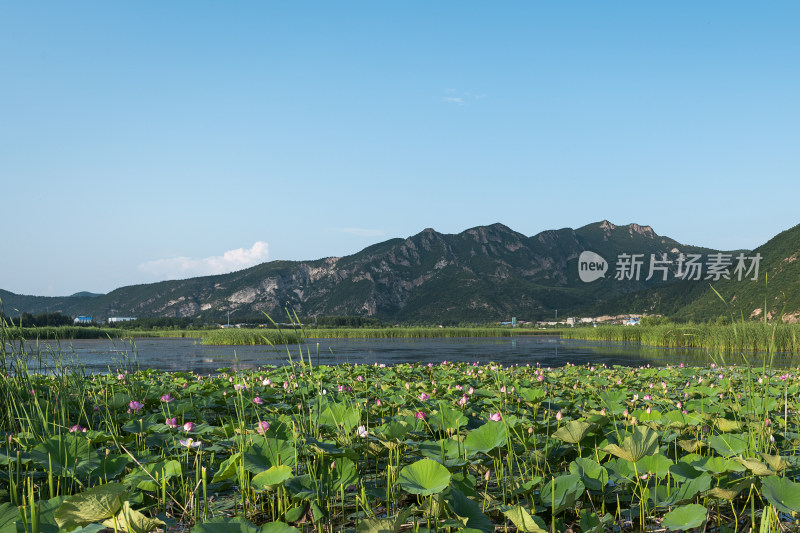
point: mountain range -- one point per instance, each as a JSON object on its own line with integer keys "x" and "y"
{"x": 483, "y": 274}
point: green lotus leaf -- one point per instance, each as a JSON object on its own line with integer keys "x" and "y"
{"x": 425, "y": 477}
{"x": 656, "y": 464}
{"x": 278, "y": 527}
{"x": 132, "y": 521}
{"x": 591, "y": 523}
{"x": 340, "y": 473}
{"x": 94, "y": 505}
{"x": 561, "y": 492}
{"x": 486, "y": 438}
{"x": 641, "y": 442}
{"x": 687, "y": 490}
{"x": 781, "y": 492}
{"x": 266, "y": 453}
{"x": 592, "y": 474}
{"x": 730, "y": 489}
{"x": 574, "y": 431}
{"x": 467, "y": 510}
{"x": 718, "y": 465}
{"x": 726, "y": 425}
{"x": 523, "y": 520}
{"x": 271, "y": 477}
{"x": 776, "y": 462}
{"x": 447, "y": 451}
{"x": 685, "y": 517}
{"x": 755, "y": 466}
{"x": 448, "y": 418}
{"x": 729, "y": 444}
{"x": 228, "y": 468}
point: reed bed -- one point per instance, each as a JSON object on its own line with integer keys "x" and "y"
{"x": 250, "y": 337}
{"x": 70, "y": 332}
{"x": 417, "y": 332}
{"x": 734, "y": 338}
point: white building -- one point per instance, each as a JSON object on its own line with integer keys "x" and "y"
{"x": 113, "y": 319}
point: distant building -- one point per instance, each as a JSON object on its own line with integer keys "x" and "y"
{"x": 633, "y": 321}
{"x": 82, "y": 320}
{"x": 113, "y": 319}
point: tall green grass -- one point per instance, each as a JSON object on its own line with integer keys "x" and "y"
{"x": 242, "y": 336}
{"x": 250, "y": 337}
{"x": 420, "y": 333}
{"x": 732, "y": 338}
{"x": 70, "y": 332}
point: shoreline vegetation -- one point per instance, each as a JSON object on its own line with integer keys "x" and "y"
{"x": 744, "y": 337}
{"x": 256, "y": 336}
{"x": 739, "y": 337}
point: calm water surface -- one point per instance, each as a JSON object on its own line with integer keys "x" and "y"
{"x": 190, "y": 355}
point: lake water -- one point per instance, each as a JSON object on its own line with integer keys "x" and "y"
{"x": 99, "y": 356}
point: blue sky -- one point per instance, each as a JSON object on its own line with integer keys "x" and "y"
{"x": 159, "y": 140}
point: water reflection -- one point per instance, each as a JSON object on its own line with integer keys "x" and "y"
{"x": 100, "y": 356}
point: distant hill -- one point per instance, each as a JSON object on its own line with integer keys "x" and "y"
{"x": 482, "y": 274}
{"x": 777, "y": 289}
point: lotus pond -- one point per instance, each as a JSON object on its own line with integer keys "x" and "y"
{"x": 410, "y": 447}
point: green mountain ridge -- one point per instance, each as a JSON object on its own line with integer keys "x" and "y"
{"x": 482, "y": 274}
{"x": 777, "y": 289}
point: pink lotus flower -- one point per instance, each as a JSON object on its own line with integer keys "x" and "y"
{"x": 362, "y": 432}
{"x": 258, "y": 401}
{"x": 463, "y": 401}
{"x": 540, "y": 378}
{"x": 420, "y": 415}
{"x": 262, "y": 426}
{"x": 423, "y": 396}
{"x": 239, "y": 386}
{"x": 378, "y": 402}
{"x": 360, "y": 378}
{"x": 190, "y": 443}
{"x": 559, "y": 416}
{"x": 77, "y": 429}
{"x": 267, "y": 382}
{"x": 503, "y": 389}
{"x": 167, "y": 398}
{"x": 171, "y": 423}
{"x": 135, "y": 406}
{"x": 188, "y": 426}
{"x": 495, "y": 417}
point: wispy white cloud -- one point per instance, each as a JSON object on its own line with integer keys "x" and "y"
{"x": 461, "y": 98}
{"x": 362, "y": 232}
{"x": 186, "y": 267}
{"x": 454, "y": 100}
